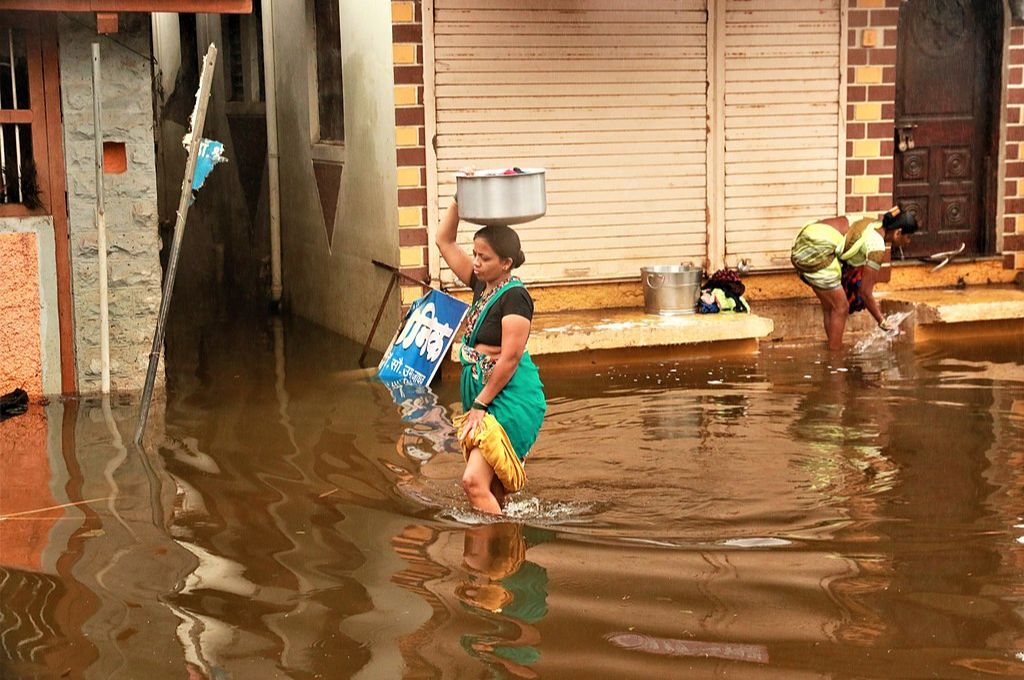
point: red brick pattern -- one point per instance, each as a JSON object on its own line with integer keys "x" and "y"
{"x": 410, "y": 139}
{"x": 871, "y": 91}
{"x": 1013, "y": 220}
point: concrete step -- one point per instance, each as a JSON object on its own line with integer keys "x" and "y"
{"x": 952, "y": 313}
{"x": 586, "y": 337}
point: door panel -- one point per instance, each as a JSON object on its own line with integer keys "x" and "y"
{"x": 767, "y": 193}
{"x": 943, "y": 119}
{"x": 609, "y": 97}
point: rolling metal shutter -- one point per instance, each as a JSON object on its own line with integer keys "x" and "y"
{"x": 782, "y": 123}
{"x": 609, "y": 97}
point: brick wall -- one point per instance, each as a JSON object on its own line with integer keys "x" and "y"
{"x": 871, "y": 93}
{"x": 410, "y": 140}
{"x": 1013, "y": 220}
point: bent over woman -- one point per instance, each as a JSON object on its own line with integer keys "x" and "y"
{"x": 840, "y": 259}
{"x": 502, "y": 396}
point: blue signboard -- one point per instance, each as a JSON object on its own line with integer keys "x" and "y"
{"x": 423, "y": 340}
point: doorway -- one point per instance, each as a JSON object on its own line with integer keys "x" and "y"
{"x": 947, "y": 95}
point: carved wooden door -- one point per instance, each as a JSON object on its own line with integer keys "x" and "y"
{"x": 944, "y": 135}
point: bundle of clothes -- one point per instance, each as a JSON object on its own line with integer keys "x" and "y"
{"x": 722, "y": 292}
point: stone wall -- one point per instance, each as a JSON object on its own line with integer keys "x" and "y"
{"x": 133, "y": 260}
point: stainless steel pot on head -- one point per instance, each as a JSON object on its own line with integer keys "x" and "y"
{"x": 490, "y": 197}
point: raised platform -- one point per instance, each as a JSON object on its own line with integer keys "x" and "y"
{"x": 588, "y": 336}
{"x": 951, "y": 313}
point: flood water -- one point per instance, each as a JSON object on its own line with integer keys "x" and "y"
{"x": 788, "y": 515}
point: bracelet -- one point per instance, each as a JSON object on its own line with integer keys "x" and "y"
{"x": 480, "y": 407}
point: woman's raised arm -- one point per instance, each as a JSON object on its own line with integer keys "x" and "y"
{"x": 461, "y": 263}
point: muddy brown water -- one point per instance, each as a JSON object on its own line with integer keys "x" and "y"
{"x": 789, "y": 515}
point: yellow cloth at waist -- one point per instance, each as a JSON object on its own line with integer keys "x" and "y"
{"x": 497, "y": 450}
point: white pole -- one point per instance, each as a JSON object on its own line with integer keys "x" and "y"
{"x": 273, "y": 169}
{"x": 101, "y": 226}
{"x": 17, "y": 128}
{"x": 3, "y": 152}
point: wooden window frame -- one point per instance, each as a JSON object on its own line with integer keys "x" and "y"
{"x": 48, "y": 153}
{"x": 330, "y": 151}
{"x": 35, "y": 116}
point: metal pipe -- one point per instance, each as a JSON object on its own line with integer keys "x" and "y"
{"x": 273, "y": 163}
{"x": 101, "y": 224}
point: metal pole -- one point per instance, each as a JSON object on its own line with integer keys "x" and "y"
{"x": 17, "y": 128}
{"x": 273, "y": 158}
{"x": 380, "y": 312}
{"x": 101, "y": 225}
{"x": 198, "y": 120}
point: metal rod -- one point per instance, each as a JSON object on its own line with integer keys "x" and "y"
{"x": 380, "y": 312}
{"x": 396, "y": 274}
{"x": 17, "y": 128}
{"x": 101, "y": 224}
{"x": 391, "y": 268}
{"x": 198, "y": 120}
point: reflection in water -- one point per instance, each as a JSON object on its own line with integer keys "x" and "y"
{"x": 504, "y": 589}
{"x": 795, "y": 514}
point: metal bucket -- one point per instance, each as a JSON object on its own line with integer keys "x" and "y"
{"x": 671, "y": 288}
{"x": 492, "y": 197}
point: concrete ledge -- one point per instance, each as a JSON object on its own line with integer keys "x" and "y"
{"x": 586, "y": 337}
{"x": 594, "y": 330}
{"x": 953, "y": 314}
{"x": 974, "y": 303}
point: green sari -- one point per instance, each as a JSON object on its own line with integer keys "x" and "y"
{"x": 519, "y": 407}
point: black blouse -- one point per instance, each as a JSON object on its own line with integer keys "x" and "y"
{"x": 513, "y": 301}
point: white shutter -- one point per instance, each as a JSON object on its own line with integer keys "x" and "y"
{"x": 782, "y": 117}
{"x": 609, "y": 97}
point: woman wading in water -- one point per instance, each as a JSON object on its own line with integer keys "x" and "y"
{"x": 502, "y": 396}
{"x": 840, "y": 259}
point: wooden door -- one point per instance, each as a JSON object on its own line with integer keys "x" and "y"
{"x": 944, "y": 153}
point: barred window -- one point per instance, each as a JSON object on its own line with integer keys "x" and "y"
{"x": 330, "y": 97}
{"x": 243, "y": 56}
{"x": 19, "y": 183}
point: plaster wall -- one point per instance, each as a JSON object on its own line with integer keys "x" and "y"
{"x": 130, "y": 199}
{"x": 336, "y": 285}
{"x": 29, "y": 328}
